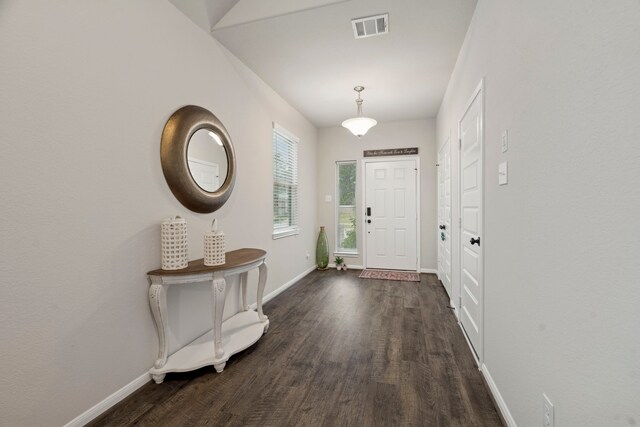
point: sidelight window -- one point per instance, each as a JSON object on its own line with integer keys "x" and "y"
{"x": 346, "y": 207}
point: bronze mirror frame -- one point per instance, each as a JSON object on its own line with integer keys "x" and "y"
{"x": 176, "y": 135}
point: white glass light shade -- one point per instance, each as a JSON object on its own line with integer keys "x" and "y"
{"x": 359, "y": 125}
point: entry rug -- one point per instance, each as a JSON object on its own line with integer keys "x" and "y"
{"x": 404, "y": 276}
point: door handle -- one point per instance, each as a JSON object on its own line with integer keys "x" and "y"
{"x": 368, "y": 221}
{"x": 368, "y": 211}
{"x": 475, "y": 241}
{"x": 443, "y": 227}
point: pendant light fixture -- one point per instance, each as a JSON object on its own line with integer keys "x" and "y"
{"x": 359, "y": 125}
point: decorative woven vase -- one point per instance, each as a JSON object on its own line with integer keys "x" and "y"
{"x": 175, "y": 247}
{"x": 214, "y": 247}
{"x": 322, "y": 250}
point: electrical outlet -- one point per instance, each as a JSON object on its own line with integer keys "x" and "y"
{"x": 547, "y": 411}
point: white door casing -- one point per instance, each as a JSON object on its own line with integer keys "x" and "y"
{"x": 444, "y": 216}
{"x": 471, "y": 140}
{"x": 392, "y": 228}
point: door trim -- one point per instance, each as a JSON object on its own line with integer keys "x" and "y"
{"x": 438, "y": 223}
{"x": 478, "y": 354}
{"x": 363, "y": 172}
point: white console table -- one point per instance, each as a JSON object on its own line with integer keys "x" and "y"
{"x": 225, "y": 338}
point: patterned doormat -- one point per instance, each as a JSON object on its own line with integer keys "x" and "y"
{"x": 404, "y": 276}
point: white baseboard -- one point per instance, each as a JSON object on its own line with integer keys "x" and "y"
{"x": 95, "y": 411}
{"x": 349, "y": 266}
{"x": 281, "y": 289}
{"x": 502, "y": 405}
{"x": 361, "y": 267}
{"x": 455, "y": 310}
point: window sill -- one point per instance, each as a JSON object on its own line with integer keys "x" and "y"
{"x": 285, "y": 233}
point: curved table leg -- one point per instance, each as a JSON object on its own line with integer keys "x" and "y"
{"x": 243, "y": 279}
{"x": 158, "y": 378}
{"x": 158, "y": 303}
{"x": 262, "y": 282}
{"x": 218, "y": 288}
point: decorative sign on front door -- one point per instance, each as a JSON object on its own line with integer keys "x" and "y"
{"x": 391, "y": 152}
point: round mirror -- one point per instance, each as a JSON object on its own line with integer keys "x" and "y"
{"x": 197, "y": 157}
{"x": 207, "y": 160}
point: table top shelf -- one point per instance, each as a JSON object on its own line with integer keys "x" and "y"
{"x": 234, "y": 259}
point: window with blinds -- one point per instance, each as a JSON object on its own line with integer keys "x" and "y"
{"x": 285, "y": 183}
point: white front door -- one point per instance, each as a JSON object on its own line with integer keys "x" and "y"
{"x": 391, "y": 215}
{"x": 444, "y": 216}
{"x": 471, "y": 188}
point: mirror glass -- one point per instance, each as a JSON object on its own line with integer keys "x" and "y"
{"x": 207, "y": 160}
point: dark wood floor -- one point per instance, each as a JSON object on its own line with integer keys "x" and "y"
{"x": 340, "y": 351}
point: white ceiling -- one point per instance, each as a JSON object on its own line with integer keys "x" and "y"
{"x": 305, "y": 50}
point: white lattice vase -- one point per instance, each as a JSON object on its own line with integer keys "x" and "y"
{"x": 175, "y": 247}
{"x": 214, "y": 248}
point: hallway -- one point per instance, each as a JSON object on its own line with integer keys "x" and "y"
{"x": 340, "y": 351}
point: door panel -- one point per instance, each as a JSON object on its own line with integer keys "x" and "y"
{"x": 471, "y": 181}
{"x": 381, "y": 242}
{"x": 391, "y": 237}
{"x": 401, "y": 242}
{"x": 399, "y": 202}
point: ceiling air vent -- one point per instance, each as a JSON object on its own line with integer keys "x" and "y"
{"x": 370, "y": 26}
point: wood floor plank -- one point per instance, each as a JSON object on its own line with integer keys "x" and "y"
{"x": 340, "y": 351}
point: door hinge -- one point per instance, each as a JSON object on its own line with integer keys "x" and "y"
{"x": 459, "y": 222}
{"x": 460, "y": 144}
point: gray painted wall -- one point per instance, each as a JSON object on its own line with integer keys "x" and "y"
{"x": 561, "y": 239}
{"x": 86, "y": 90}
{"x": 338, "y": 143}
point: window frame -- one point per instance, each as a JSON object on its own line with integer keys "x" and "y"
{"x": 291, "y": 229}
{"x": 337, "y": 250}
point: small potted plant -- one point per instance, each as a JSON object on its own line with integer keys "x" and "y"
{"x": 339, "y": 262}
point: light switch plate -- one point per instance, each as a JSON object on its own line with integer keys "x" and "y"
{"x": 328, "y": 198}
{"x": 502, "y": 173}
{"x": 505, "y": 141}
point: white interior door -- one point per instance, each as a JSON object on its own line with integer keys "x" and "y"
{"x": 391, "y": 217}
{"x": 205, "y": 174}
{"x": 471, "y": 226}
{"x": 444, "y": 216}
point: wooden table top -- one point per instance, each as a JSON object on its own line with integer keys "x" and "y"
{"x": 237, "y": 258}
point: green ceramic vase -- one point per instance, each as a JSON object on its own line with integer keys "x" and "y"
{"x": 322, "y": 250}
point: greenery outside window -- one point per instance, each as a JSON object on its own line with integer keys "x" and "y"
{"x": 285, "y": 183}
{"x": 346, "y": 207}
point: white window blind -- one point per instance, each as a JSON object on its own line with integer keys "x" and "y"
{"x": 285, "y": 183}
